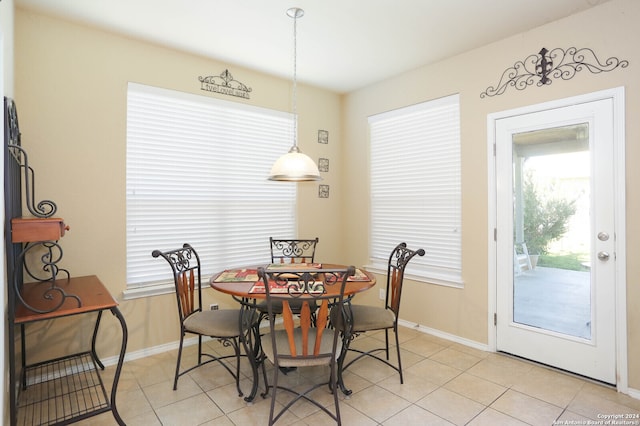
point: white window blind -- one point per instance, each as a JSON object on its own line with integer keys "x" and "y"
{"x": 197, "y": 172}
{"x": 416, "y": 189}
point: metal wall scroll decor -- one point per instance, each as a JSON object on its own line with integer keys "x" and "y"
{"x": 557, "y": 63}
{"x": 224, "y": 84}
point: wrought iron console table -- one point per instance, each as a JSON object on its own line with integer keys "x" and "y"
{"x": 69, "y": 388}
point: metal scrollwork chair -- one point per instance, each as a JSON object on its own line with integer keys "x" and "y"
{"x": 293, "y": 251}
{"x": 370, "y": 318}
{"x": 286, "y": 252}
{"x": 223, "y": 325}
{"x": 302, "y": 342}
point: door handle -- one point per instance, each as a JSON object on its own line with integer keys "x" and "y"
{"x": 603, "y": 255}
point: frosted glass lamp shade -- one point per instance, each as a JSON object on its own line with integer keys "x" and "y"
{"x": 294, "y": 166}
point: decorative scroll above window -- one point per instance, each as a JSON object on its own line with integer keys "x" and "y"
{"x": 225, "y": 84}
{"x": 541, "y": 68}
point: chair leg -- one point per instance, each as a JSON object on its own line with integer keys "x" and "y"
{"x": 370, "y": 353}
{"x": 175, "y": 379}
{"x": 334, "y": 390}
{"x": 273, "y": 397}
{"x": 236, "y": 348}
{"x": 395, "y": 331}
{"x": 386, "y": 342}
{"x": 266, "y": 382}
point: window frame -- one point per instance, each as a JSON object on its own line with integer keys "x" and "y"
{"x": 416, "y": 189}
{"x": 227, "y": 149}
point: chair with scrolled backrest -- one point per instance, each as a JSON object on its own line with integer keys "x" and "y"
{"x": 286, "y": 251}
{"x": 303, "y": 342}
{"x": 223, "y": 324}
{"x": 370, "y": 318}
{"x": 293, "y": 250}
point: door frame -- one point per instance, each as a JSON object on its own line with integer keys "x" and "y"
{"x": 617, "y": 96}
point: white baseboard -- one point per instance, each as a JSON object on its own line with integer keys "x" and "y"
{"x": 633, "y": 393}
{"x": 446, "y": 336}
{"x": 143, "y": 353}
{"x": 154, "y": 350}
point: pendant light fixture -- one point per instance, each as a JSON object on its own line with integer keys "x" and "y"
{"x": 295, "y": 166}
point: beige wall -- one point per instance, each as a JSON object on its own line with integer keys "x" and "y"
{"x": 71, "y": 92}
{"x": 6, "y": 27}
{"x": 71, "y": 84}
{"x": 610, "y": 30}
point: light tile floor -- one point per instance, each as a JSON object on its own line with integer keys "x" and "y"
{"x": 445, "y": 384}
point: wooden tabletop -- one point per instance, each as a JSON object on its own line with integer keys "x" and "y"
{"x": 241, "y": 288}
{"x": 89, "y": 289}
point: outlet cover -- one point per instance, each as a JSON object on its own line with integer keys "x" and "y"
{"x": 213, "y": 306}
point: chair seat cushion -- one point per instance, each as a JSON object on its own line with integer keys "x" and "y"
{"x": 282, "y": 342}
{"x": 365, "y": 318}
{"x": 218, "y": 323}
{"x": 372, "y": 318}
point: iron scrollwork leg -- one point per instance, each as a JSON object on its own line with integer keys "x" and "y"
{"x": 347, "y": 337}
{"x": 250, "y": 338}
{"x": 116, "y": 312}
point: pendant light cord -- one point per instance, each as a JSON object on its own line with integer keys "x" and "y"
{"x": 294, "y": 166}
{"x": 295, "y": 13}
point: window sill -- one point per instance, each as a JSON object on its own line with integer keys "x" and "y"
{"x": 156, "y": 289}
{"x": 148, "y": 290}
{"x": 442, "y": 281}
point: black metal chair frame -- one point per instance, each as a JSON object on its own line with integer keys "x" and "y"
{"x": 398, "y": 260}
{"x": 185, "y": 265}
{"x": 289, "y": 251}
{"x": 308, "y": 287}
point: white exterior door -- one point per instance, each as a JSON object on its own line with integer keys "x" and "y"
{"x": 556, "y": 237}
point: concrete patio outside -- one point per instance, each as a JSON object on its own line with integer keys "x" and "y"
{"x": 554, "y": 299}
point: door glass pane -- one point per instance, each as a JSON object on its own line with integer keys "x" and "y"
{"x": 552, "y": 232}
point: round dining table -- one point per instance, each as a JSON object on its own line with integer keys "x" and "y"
{"x": 239, "y": 282}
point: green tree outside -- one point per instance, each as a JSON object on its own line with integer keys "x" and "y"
{"x": 546, "y": 215}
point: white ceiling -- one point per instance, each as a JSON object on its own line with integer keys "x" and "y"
{"x": 342, "y": 45}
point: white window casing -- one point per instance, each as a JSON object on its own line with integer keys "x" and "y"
{"x": 416, "y": 188}
{"x": 197, "y": 172}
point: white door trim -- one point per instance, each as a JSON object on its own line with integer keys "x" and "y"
{"x": 617, "y": 95}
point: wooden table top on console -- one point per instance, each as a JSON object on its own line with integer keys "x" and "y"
{"x": 93, "y": 294}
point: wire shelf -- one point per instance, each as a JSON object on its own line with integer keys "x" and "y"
{"x": 60, "y": 390}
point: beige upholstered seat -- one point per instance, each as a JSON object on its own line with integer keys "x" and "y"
{"x": 302, "y": 342}
{"x": 223, "y": 325}
{"x": 220, "y": 323}
{"x": 369, "y": 318}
